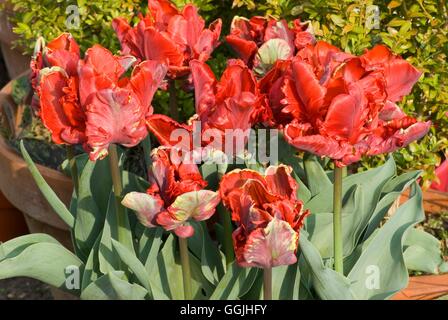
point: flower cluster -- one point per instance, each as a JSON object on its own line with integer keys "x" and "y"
{"x": 169, "y": 35}
{"x": 326, "y": 101}
{"x": 341, "y": 106}
{"x": 88, "y": 101}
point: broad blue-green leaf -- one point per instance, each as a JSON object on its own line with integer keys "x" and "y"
{"x": 92, "y": 267}
{"x": 327, "y": 283}
{"x": 354, "y": 220}
{"x": 422, "y": 251}
{"x": 391, "y": 191}
{"x": 128, "y": 258}
{"x": 207, "y": 252}
{"x": 302, "y": 192}
{"x": 108, "y": 257}
{"x": 149, "y": 246}
{"x": 236, "y": 282}
{"x": 372, "y": 182}
{"x": 286, "y": 282}
{"x": 317, "y": 180}
{"x": 44, "y": 261}
{"x": 57, "y": 205}
{"x": 81, "y": 161}
{"x": 166, "y": 276}
{"x": 93, "y": 194}
{"x": 380, "y": 270}
{"x": 113, "y": 286}
{"x": 15, "y": 246}
{"x": 132, "y": 182}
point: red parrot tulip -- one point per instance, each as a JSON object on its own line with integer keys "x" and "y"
{"x": 87, "y": 101}
{"x": 169, "y": 35}
{"x": 268, "y": 215}
{"x": 175, "y": 196}
{"x": 342, "y": 106}
{"x": 62, "y": 52}
{"x": 233, "y": 103}
{"x": 260, "y": 42}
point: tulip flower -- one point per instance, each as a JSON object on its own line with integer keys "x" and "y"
{"x": 233, "y": 103}
{"x": 54, "y": 78}
{"x": 343, "y": 107}
{"x": 116, "y": 107}
{"x": 88, "y": 101}
{"x": 176, "y": 196}
{"x": 169, "y": 35}
{"x": 260, "y": 42}
{"x": 62, "y": 52}
{"x": 268, "y": 215}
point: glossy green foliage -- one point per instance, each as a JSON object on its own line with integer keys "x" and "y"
{"x": 49, "y": 18}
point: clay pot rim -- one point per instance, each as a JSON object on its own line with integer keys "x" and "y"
{"x": 11, "y": 154}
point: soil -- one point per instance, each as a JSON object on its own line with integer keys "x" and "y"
{"x": 24, "y": 289}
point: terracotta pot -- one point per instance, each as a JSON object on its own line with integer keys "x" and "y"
{"x": 12, "y": 222}
{"x": 19, "y": 188}
{"x": 424, "y": 288}
{"x": 16, "y": 63}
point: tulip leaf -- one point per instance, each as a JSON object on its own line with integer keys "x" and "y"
{"x": 380, "y": 270}
{"x": 113, "y": 286}
{"x": 108, "y": 257}
{"x": 92, "y": 268}
{"x": 94, "y": 183}
{"x": 354, "y": 221}
{"x": 47, "y": 261}
{"x": 54, "y": 201}
{"x": 391, "y": 191}
{"x": 327, "y": 283}
{"x": 286, "y": 282}
{"x": 149, "y": 246}
{"x": 131, "y": 260}
{"x": 132, "y": 182}
{"x": 422, "y": 252}
{"x": 372, "y": 182}
{"x": 317, "y": 179}
{"x": 236, "y": 282}
{"x": 15, "y": 246}
{"x": 207, "y": 252}
{"x": 166, "y": 276}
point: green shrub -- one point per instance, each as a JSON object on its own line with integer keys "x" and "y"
{"x": 415, "y": 29}
{"x": 47, "y": 18}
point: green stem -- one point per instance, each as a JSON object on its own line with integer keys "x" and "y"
{"x": 267, "y": 284}
{"x": 73, "y": 167}
{"x": 118, "y": 189}
{"x": 174, "y": 111}
{"x": 186, "y": 272}
{"x": 337, "y": 221}
{"x": 146, "y": 143}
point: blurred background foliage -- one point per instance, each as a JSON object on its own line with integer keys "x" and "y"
{"x": 47, "y": 18}
{"x": 415, "y": 29}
